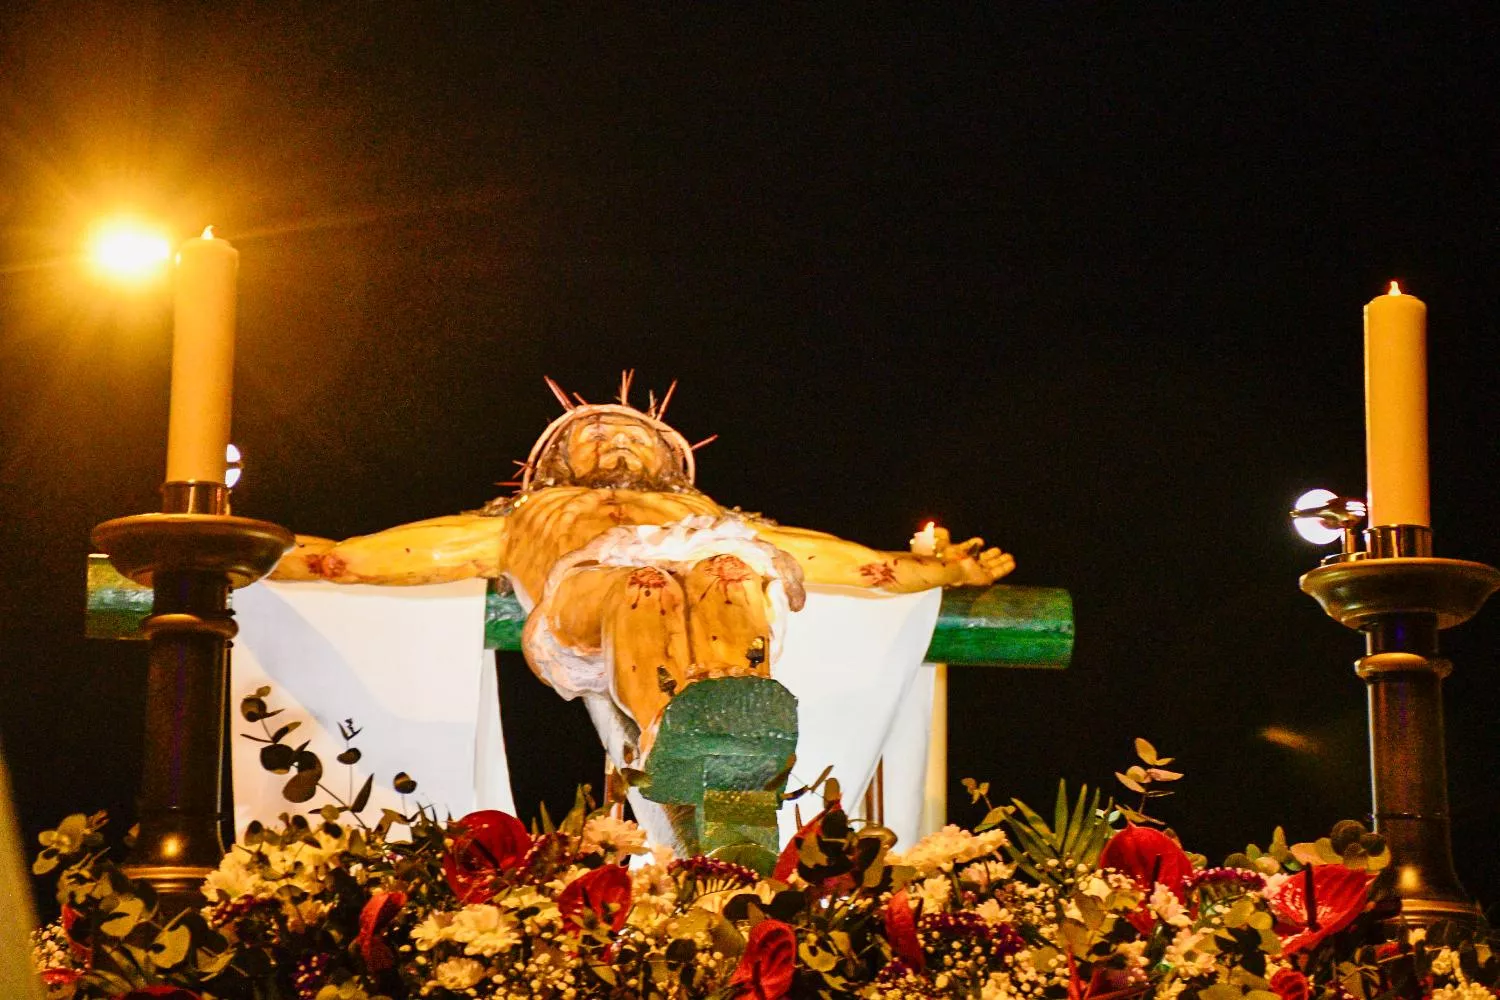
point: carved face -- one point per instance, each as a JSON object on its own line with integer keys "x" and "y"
{"x": 612, "y": 449}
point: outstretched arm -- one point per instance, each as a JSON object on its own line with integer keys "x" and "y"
{"x": 437, "y": 550}
{"x": 829, "y": 560}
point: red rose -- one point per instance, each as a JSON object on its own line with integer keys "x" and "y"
{"x": 1149, "y": 857}
{"x": 605, "y": 892}
{"x": 1339, "y": 894}
{"x": 766, "y": 968}
{"x": 159, "y": 993}
{"x": 485, "y": 843}
{"x": 373, "y": 920}
{"x": 901, "y": 931}
{"x": 1289, "y": 984}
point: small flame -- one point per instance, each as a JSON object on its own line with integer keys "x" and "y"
{"x": 1395, "y": 288}
{"x": 208, "y": 234}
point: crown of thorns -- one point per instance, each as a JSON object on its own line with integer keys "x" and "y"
{"x": 577, "y": 408}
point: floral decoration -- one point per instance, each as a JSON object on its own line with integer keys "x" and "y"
{"x": 1089, "y": 904}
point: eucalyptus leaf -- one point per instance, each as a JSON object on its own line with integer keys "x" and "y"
{"x": 171, "y": 946}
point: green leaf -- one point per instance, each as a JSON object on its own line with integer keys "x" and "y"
{"x": 994, "y": 818}
{"x": 1146, "y": 752}
{"x": 128, "y": 912}
{"x": 276, "y": 737}
{"x": 349, "y": 756}
{"x": 1130, "y": 783}
{"x": 363, "y": 798}
{"x": 403, "y": 783}
{"x": 171, "y": 946}
{"x": 1221, "y": 991}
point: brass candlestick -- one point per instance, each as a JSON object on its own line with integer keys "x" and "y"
{"x": 191, "y": 556}
{"x": 1400, "y": 597}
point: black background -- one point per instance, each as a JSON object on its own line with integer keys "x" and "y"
{"x": 1084, "y": 279}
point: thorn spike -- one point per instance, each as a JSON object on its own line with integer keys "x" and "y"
{"x": 661, "y": 411}
{"x": 557, "y": 390}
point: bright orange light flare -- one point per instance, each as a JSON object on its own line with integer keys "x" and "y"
{"x": 128, "y": 250}
{"x": 1395, "y": 288}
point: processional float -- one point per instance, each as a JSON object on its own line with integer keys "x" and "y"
{"x": 721, "y": 749}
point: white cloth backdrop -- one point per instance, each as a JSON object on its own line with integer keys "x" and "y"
{"x": 408, "y": 664}
{"x": 852, "y": 657}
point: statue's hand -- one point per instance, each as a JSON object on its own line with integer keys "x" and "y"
{"x": 977, "y": 565}
{"x": 305, "y": 560}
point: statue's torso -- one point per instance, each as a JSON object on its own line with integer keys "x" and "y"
{"x": 550, "y": 523}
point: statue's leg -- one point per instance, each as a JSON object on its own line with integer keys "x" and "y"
{"x": 637, "y": 616}
{"x": 726, "y": 612}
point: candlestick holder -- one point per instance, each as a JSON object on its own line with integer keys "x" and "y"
{"x": 191, "y": 555}
{"x": 1400, "y": 597}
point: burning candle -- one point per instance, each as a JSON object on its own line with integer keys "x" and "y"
{"x": 202, "y": 359}
{"x": 924, "y": 542}
{"x": 1396, "y": 408}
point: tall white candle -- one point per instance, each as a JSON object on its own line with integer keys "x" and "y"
{"x": 202, "y": 359}
{"x": 1396, "y": 408}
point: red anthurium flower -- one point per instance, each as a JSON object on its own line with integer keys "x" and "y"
{"x": 485, "y": 843}
{"x": 1289, "y": 984}
{"x": 159, "y": 993}
{"x": 1339, "y": 894}
{"x": 1149, "y": 857}
{"x": 373, "y": 920}
{"x": 770, "y": 960}
{"x": 901, "y": 931}
{"x": 605, "y": 892}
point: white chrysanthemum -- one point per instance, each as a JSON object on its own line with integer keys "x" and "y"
{"x": 1167, "y": 907}
{"x": 610, "y": 836}
{"x": 1444, "y": 962}
{"x": 985, "y": 874}
{"x": 458, "y": 973}
{"x": 933, "y": 893}
{"x": 1184, "y": 958}
{"x": 991, "y": 912}
{"x": 1464, "y": 991}
{"x": 484, "y": 930}
{"x": 436, "y": 928}
{"x": 947, "y": 847}
{"x": 238, "y": 875}
{"x": 545, "y": 914}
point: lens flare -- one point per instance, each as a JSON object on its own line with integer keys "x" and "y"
{"x": 1311, "y": 528}
{"x": 128, "y": 251}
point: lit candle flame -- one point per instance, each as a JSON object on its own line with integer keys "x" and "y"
{"x": 208, "y": 234}
{"x": 1395, "y": 288}
{"x": 924, "y": 542}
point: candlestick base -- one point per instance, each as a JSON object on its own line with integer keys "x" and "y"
{"x": 1362, "y": 592}
{"x": 191, "y": 562}
{"x": 240, "y": 549}
{"x": 1400, "y": 604}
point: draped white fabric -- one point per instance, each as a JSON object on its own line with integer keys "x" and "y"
{"x": 407, "y": 664}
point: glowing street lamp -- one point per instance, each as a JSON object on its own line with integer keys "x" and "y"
{"x": 128, "y": 251}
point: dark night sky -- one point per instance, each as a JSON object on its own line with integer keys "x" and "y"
{"x": 1084, "y": 279}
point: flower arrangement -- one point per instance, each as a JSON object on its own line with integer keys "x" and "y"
{"x": 1098, "y": 903}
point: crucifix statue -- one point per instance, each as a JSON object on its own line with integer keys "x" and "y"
{"x": 637, "y": 584}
